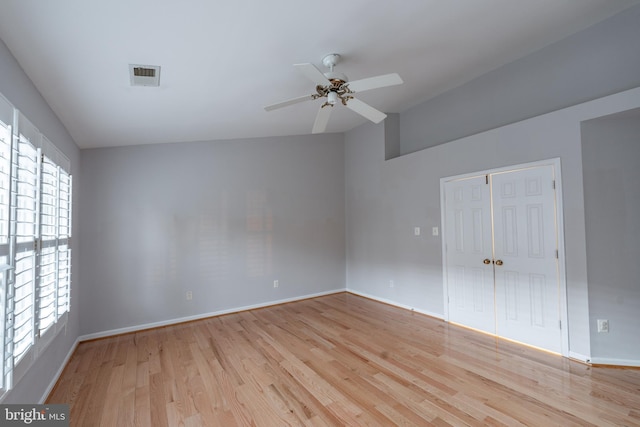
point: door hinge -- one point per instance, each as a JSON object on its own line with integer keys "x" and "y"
{"x": 553, "y": 184}
{"x": 560, "y": 323}
{"x": 486, "y": 179}
{"x": 557, "y": 254}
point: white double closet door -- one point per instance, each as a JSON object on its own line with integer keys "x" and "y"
{"x": 501, "y": 259}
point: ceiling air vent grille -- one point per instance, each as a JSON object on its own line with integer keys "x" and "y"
{"x": 144, "y": 75}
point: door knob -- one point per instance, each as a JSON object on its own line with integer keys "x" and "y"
{"x": 487, "y": 261}
{"x": 499, "y": 262}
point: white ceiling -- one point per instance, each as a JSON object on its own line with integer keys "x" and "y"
{"x": 223, "y": 61}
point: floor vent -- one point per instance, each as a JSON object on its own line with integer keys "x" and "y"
{"x": 144, "y": 75}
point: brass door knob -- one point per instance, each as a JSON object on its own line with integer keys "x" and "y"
{"x": 499, "y": 262}
{"x": 487, "y": 261}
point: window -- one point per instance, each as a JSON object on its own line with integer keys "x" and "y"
{"x": 6, "y": 119}
{"x": 35, "y": 250}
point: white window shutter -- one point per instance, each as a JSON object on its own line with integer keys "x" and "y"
{"x": 24, "y": 226}
{"x": 35, "y": 250}
{"x": 64, "y": 247}
{"x": 47, "y": 270}
{"x": 6, "y": 317}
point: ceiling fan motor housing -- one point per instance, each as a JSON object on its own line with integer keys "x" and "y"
{"x": 332, "y": 75}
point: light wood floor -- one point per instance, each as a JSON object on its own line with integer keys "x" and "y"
{"x": 335, "y": 360}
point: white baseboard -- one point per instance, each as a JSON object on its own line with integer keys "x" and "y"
{"x": 615, "y": 362}
{"x": 152, "y": 325}
{"x": 579, "y": 357}
{"x": 395, "y": 304}
{"x": 56, "y": 377}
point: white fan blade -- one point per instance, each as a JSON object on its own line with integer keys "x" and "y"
{"x": 375, "y": 82}
{"x": 288, "y": 102}
{"x": 322, "y": 118}
{"x": 312, "y": 73}
{"x": 366, "y": 110}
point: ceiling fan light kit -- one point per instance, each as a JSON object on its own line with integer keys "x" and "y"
{"x": 336, "y": 87}
{"x": 332, "y": 98}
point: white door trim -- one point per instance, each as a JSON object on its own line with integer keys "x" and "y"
{"x": 555, "y": 162}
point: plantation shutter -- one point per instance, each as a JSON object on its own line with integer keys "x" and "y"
{"x": 25, "y": 192}
{"x": 54, "y": 254}
{"x": 6, "y": 327}
{"x": 64, "y": 247}
{"x": 35, "y": 249}
{"x": 47, "y": 255}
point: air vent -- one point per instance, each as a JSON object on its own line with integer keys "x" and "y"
{"x": 144, "y": 75}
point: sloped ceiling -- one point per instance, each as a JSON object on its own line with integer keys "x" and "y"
{"x": 222, "y": 62}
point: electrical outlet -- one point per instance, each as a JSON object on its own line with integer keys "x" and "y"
{"x": 189, "y": 295}
{"x": 391, "y": 284}
{"x": 435, "y": 231}
{"x": 276, "y": 283}
{"x": 416, "y": 231}
{"x": 603, "y": 325}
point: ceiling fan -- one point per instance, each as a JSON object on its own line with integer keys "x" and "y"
{"x": 336, "y": 87}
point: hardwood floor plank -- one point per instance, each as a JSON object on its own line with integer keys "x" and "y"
{"x": 335, "y": 360}
{"x": 113, "y": 397}
{"x": 142, "y": 401}
{"x": 157, "y": 401}
{"x": 90, "y": 406}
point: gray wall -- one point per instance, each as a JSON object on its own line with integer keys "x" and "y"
{"x": 387, "y": 199}
{"x": 221, "y": 219}
{"x": 610, "y": 157}
{"x": 601, "y": 60}
{"x": 20, "y": 91}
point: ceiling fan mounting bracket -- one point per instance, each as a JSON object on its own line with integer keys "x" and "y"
{"x": 331, "y": 60}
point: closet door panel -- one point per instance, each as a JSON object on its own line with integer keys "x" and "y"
{"x": 468, "y": 244}
{"x": 525, "y": 244}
